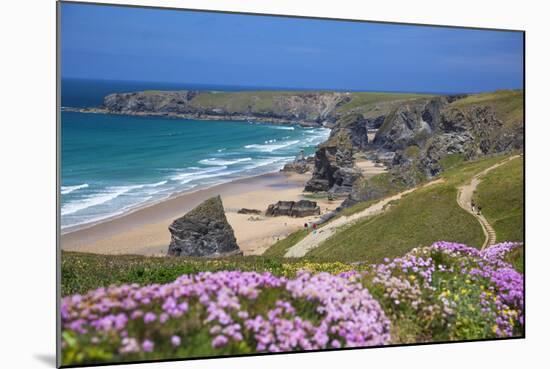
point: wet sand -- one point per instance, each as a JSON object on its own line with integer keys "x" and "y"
{"x": 145, "y": 231}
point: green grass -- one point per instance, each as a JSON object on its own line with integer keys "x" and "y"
{"x": 451, "y": 161}
{"x": 372, "y": 103}
{"x": 376, "y": 187}
{"x": 360, "y": 206}
{"x": 462, "y": 173}
{"x": 280, "y": 248}
{"x": 81, "y": 272}
{"x": 500, "y": 195}
{"x": 420, "y": 218}
{"x": 412, "y": 152}
{"x": 265, "y": 101}
{"x": 240, "y": 102}
{"x": 507, "y": 104}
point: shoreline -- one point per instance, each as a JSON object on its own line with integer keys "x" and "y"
{"x": 233, "y": 118}
{"x": 145, "y": 230}
{"x": 80, "y": 227}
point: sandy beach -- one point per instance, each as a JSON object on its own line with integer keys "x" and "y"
{"x": 145, "y": 231}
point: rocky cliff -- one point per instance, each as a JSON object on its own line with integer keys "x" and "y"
{"x": 334, "y": 165}
{"x": 423, "y": 134}
{"x": 204, "y": 231}
{"x": 304, "y": 107}
{"x": 421, "y": 138}
{"x": 417, "y": 135}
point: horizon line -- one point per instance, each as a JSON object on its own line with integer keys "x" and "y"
{"x": 287, "y": 88}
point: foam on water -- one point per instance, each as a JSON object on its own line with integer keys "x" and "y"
{"x": 178, "y": 157}
{"x": 221, "y": 162}
{"x": 284, "y": 128}
{"x": 68, "y": 189}
{"x": 271, "y": 147}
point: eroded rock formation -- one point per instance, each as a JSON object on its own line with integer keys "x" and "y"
{"x": 204, "y": 231}
{"x": 297, "y": 209}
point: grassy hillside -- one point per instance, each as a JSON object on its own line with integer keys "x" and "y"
{"x": 369, "y": 103}
{"x": 507, "y": 104}
{"x": 420, "y": 218}
{"x": 281, "y": 247}
{"x": 373, "y": 104}
{"x": 500, "y": 196}
{"x": 256, "y": 101}
{"x": 81, "y": 272}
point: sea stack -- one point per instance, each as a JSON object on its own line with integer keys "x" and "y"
{"x": 204, "y": 231}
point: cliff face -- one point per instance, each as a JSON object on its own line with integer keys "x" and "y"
{"x": 303, "y": 107}
{"x": 150, "y": 102}
{"x": 410, "y": 123}
{"x": 421, "y": 137}
{"x": 422, "y": 134}
{"x": 416, "y": 134}
{"x": 313, "y": 108}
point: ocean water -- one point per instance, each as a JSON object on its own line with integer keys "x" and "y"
{"x": 89, "y": 93}
{"x": 111, "y": 164}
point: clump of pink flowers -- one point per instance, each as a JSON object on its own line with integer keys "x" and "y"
{"x": 445, "y": 291}
{"x": 234, "y": 309}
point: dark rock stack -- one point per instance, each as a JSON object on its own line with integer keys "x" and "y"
{"x": 297, "y": 209}
{"x": 204, "y": 231}
{"x": 334, "y": 170}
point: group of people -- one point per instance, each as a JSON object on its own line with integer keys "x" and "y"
{"x": 476, "y": 209}
{"x": 313, "y": 227}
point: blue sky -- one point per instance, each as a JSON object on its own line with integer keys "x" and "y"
{"x": 138, "y": 44}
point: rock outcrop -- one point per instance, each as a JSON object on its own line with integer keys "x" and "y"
{"x": 204, "y": 231}
{"x": 334, "y": 170}
{"x": 300, "y": 165}
{"x": 410, "y": 123}
{"x": 297, "y": 209}
{"x": 423, "y": 133}
{"x": 420, "y": 138}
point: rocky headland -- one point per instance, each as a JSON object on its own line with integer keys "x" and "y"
{"x": 415, "y": 137}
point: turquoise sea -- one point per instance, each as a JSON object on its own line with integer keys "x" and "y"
{"x": 111, "y": 164}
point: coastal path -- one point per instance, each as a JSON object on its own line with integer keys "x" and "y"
{"x": 464, "y": 200}
{"x": 315, "y": 238}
